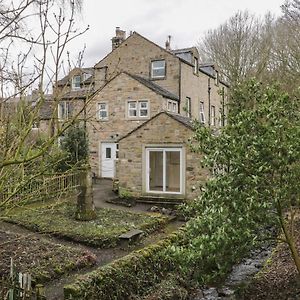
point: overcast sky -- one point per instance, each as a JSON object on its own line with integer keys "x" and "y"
{"x": 185, "y": 20}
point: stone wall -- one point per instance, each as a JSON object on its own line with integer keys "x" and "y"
{"x": 162, "y": 131}
{"x": 116, "y": 94}
{"x": 134, "y": 55}
{"x": 196, "y": 87}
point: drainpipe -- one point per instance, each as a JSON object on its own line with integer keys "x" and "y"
{"x": 223, "y": 106}
{"x": 179, "y": 91}
{"x": 208, "y": 91}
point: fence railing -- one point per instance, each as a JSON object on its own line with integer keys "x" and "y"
{"x": 44, "y": 187}
{"x": 19, "y": 286}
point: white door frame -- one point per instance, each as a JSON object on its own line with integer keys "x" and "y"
{"x": 108, "y": 174}
{"x": 164, "y": 150}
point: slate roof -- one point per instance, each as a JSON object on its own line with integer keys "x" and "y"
{"x": 176, "y": 51}
{"x": 181, "y": 119}
{"x": 188, "y": 122}
{"x": 154, "y": 87}
{"x": 66, "y": 80}
{"x": 77, "y": 94}
{"x": 46, "y": 110}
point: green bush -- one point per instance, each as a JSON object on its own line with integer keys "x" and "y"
{"x": 127, "y": 276}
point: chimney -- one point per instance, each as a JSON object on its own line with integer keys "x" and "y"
{"x": 119, "y": 38}
{"x": 168, "y": 43}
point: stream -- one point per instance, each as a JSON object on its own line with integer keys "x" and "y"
{"x": 241, "y": 274}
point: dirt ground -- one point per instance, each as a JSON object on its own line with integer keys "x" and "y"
{"x": 279, "y": 280}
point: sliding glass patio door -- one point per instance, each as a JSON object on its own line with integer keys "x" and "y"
{"x": 164, "y": 170}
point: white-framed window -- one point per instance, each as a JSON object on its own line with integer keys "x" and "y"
{"x": 172, "y": 106}
{"x": 217, "y": 79}
{"x": 158, "y": 69}
{"x": 202, "y": 113}
{"x": 138, "y": 109}
{"x": 143, "y": 109}
{"x": 76, "y": 82}
{"x": 102, "y": 111}
{"x": 64, "y": 110}
{"x": 196, "y": 65}
{"x": 213, "y": 115}
{"x": 188, "y": 107}
{"x": 117, "y": 150}
{"x": 164, "y": 170}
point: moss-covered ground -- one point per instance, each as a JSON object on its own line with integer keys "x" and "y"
{"x": 58, "y": 219}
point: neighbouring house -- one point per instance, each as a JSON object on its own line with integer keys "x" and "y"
{"x": 134, "y": 89}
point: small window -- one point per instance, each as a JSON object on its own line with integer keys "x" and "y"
{"x": 63, "y": 110}
{"x": 217, "y": 79}
{"x": 132, "y": 109}
{"x": 201, "y": 113}
{"x": 138, "y": 109}
{"x": 172, "y": 106}
{"x": 107, "y": 152}
{"x": 158, "y": 69}
{"x": 102, "y": 111}
{"x": 117, "y": 150}
{"x": 196, "y": 65}
{"x": 213, "y": 116}
{"x": 76, "y": 82}
{"x": 188, "y": 107}
{"x": 143, "y": 108}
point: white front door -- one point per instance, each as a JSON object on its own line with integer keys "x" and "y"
{"x": 108, "y": 156}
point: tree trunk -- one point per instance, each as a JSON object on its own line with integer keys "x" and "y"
{"x": 85, "y": 204}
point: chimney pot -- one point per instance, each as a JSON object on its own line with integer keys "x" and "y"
{"x": 119, "y": 38}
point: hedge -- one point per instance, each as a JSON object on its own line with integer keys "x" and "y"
{"x": 129, "y": 275}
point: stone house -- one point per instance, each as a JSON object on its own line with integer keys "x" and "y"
{"x": 160, "y": 161}
{"x": 131, "y": 86}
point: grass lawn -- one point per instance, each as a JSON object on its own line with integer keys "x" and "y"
{"x": 44, "y": 260}
{"x": 104, "y": 231}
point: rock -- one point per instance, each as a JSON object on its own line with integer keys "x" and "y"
{"x": 225, "y": 292}
{"x": 211, "y": 294}
{"x": 154, "y": 209}
{"x": 166, "y": 211}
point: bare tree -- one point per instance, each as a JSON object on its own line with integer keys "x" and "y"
{"x": 286, "y": 49}
{"x": 241, "y": 46}
{"x": 23, "y": 157}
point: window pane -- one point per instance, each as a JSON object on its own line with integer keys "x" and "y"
{"x": 156, "y": 170}
{"x": 143, "y": 104}
{"x": 158, "y": 72}
{"x": 132, "y": 113}
{"x": 107, "y": 152}
{"x": 143, "y": 112}
{"x": 103, "y": 114}
{"x": 158, "y": 64}
{"x": 132, "y": 104}
{"x": 173, "y": 171}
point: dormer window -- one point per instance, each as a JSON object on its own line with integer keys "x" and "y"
{"x": 158, "y": 69}
{"x": 76, "y": 82}
{"x": 196, "y": 65}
